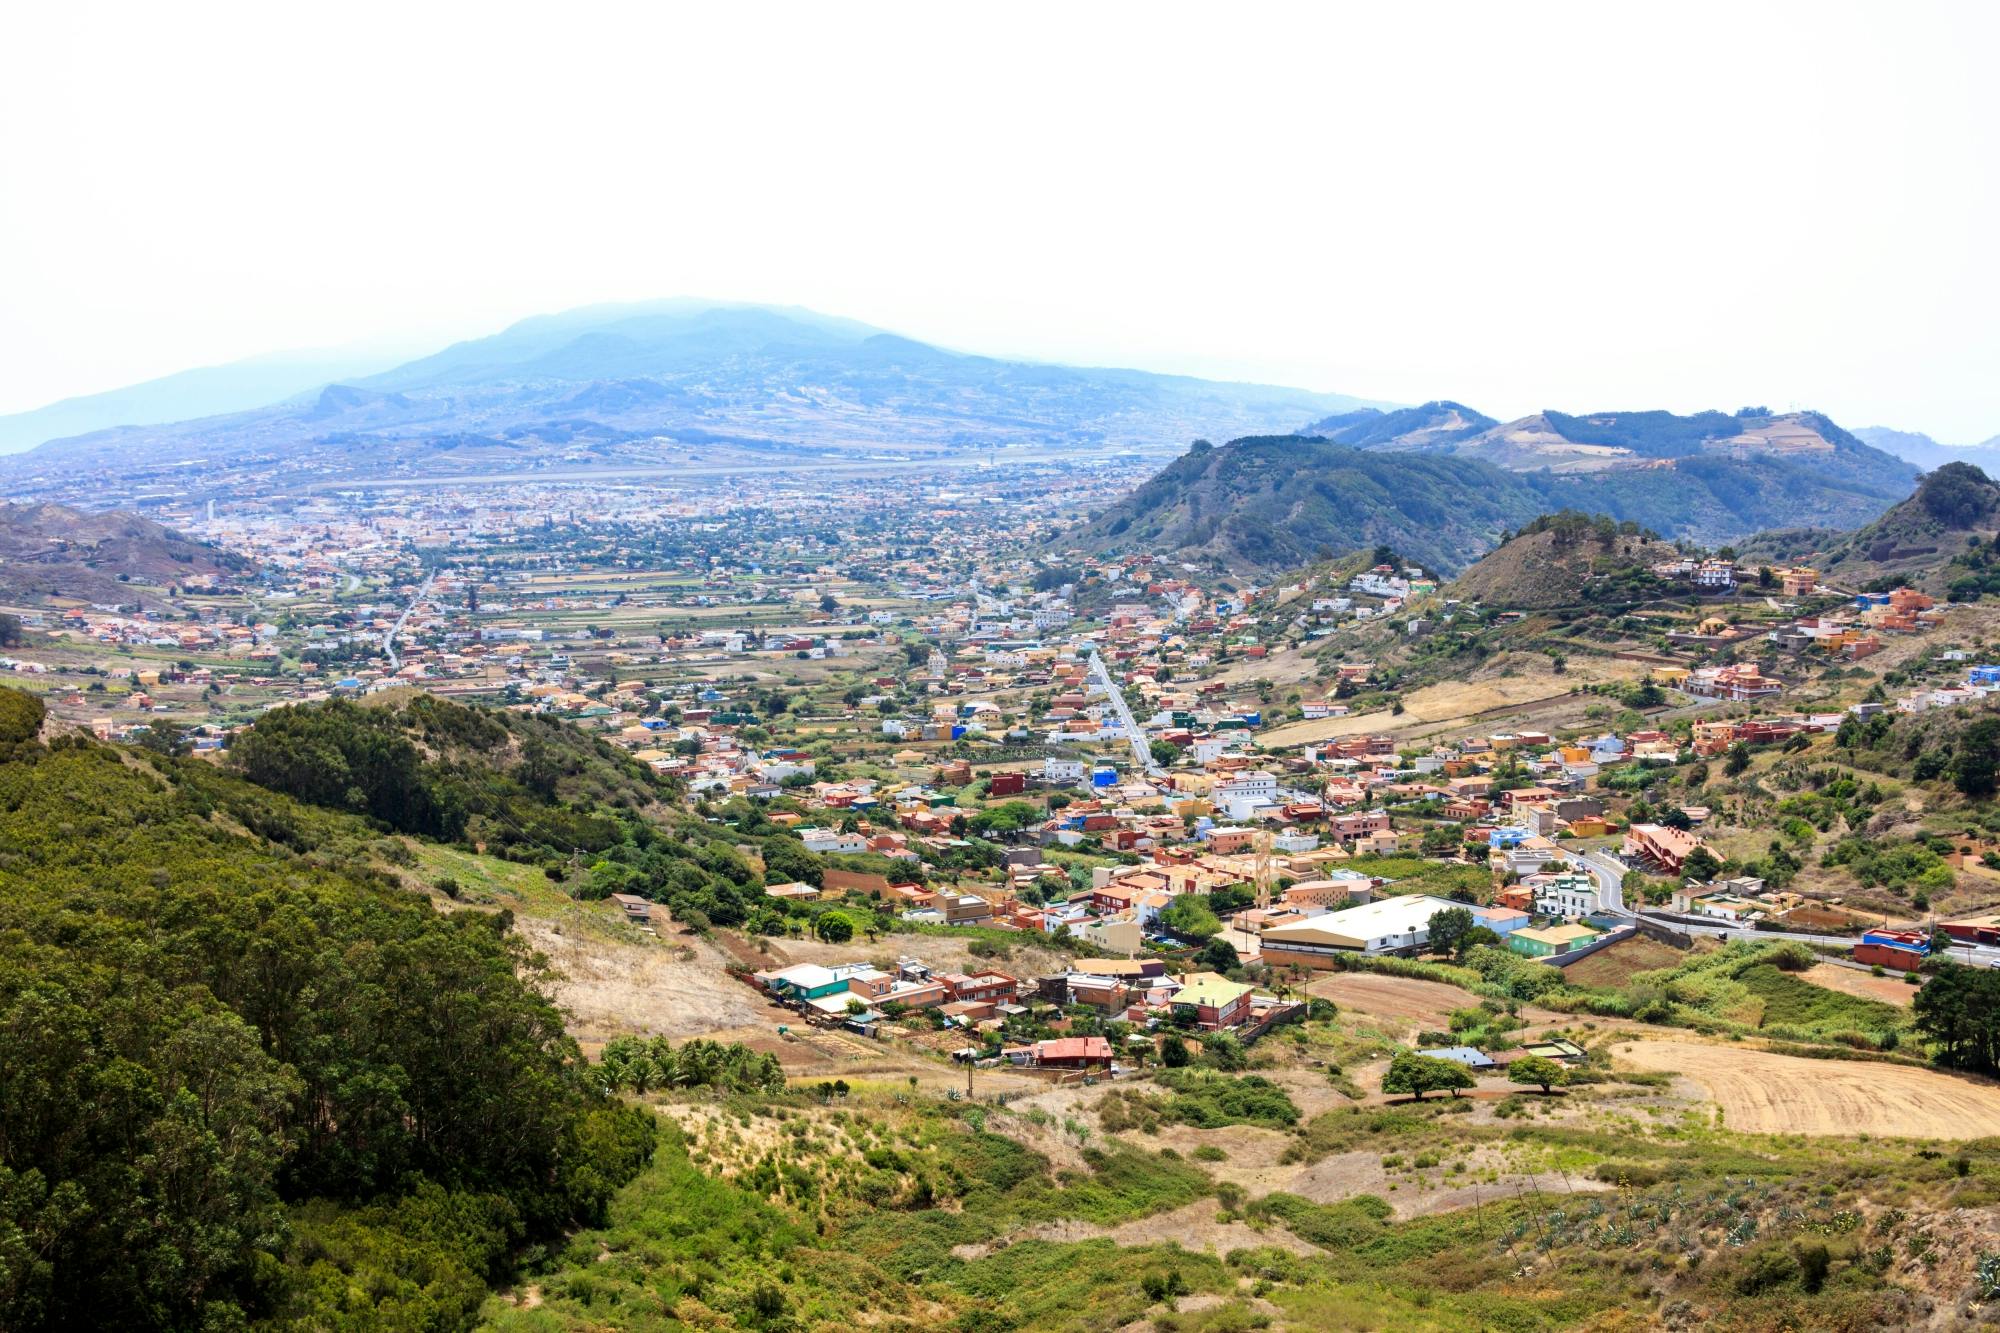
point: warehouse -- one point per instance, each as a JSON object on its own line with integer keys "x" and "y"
{"x": 1389, "y": 925}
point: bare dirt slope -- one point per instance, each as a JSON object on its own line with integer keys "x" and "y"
{"x": 1761, "y": 1093}
{"x": 1416, "y": 1004}
{"x": 1850, "y": 981}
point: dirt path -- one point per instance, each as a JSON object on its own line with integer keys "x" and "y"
{"x": 1762, "y": 1093}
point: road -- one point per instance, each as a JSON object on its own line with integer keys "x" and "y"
{"x": 1609, "y": 872}
{"x": 1977, "y": 955}
{"x": 1142, "y": 754}
{"x": 389, "y": 639}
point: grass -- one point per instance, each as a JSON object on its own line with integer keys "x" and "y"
{"x": 1792, "y": 1003}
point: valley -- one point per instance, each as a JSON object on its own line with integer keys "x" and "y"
{"x": 994, "y": 933}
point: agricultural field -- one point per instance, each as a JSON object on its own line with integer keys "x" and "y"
{"x": 1759, "y": 1092}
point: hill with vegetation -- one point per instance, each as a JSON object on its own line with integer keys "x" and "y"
{"x": 249, "y": 1078}
{"x": 1276, "y": 502}
{"x": 51, "y": 550}
{"x": 1283, "y": 501}
{"x": 1567, "y": 560}
{"x": 1938, "y": 537}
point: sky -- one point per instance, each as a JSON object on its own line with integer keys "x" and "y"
{"x": 1585, "y": 207}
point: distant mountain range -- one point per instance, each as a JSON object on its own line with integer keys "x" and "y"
{"x": 203, "y": 392}
{"x": 1607, "y": 441}
{"x": 1441, "y": 482}
{"x": 627, "y": 383}
{"x": 1926, "y": 453}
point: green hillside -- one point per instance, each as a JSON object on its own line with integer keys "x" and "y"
{"x": 247, "y": 1077}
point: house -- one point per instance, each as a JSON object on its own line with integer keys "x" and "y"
{"x": 1471, "y": 1057}
{"x": 1659, "y": 846}
{"x": 1566, "y": 895}
{"x": 1547, "y": 942}
{"x": 1502, "y": 921}
{"x": 1072, "y": 1053}
{"x": 1211, "y": 1001}
{"x": 636, "y": 909}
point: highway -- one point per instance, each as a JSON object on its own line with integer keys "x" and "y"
{"x": 389, "y": 639}
{"x": 1142, "y": 754}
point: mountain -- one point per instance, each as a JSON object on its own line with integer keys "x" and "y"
{"x": 1434, "y": 425}
{"x": 203, "y": 392}
{"x": 1605, "y": 441}
{"x": 1281, "y": 501}
{"x": 1271, "y": 502}
{"x": 1916, "y": 447}
{"x": 1923, "y": 539}
{"x": 53, "y": 550}
{"x": 680, "y": 381}
{"x": 1565, "y": 560}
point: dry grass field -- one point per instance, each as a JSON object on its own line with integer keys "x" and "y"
{"x": 1849, "y": 981}
{"x": 1761, "y": 1093}
{"x": 1613, "y": 967}
{"x": 1454, "y": 704}
{"x": 1404, "y": 1001}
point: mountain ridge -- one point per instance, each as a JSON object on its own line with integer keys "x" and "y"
{"x": 1266, "y": 503}
{"x": 770, "y": 376}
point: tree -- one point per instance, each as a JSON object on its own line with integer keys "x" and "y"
{"x": 1537, "y": 1070}
{"x": 1218, "y": 955}
{"x": 834, "y": 928}
{"x": 1164, "y": 752}
{"x": 1974, "y": 768}
{"x": 161, "y": 738}
{"x": 1174, "y": 1051}
{"x": 10, "y": 631}
{"x": 1701, "y": 864}
{"x": 1418, "y": 1074}
{"x": 1738, "y": 760}
{"x": 1958, "y": 1012}
{"x": 1190, "y": 917}
{"x": 1449, "y": 928}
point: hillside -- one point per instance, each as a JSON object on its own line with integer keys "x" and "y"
{"x": 1277, "y": 502}
{"x": 675, "y": 381}
{"x": 1565, "y": 560}
{"x": 1284, "y": 501}
{"x": 53, "y": 550}
{"x": 249, "y": 1076}
{"x": 1918, "y": 540}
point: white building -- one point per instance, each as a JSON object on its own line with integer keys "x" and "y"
{"x": 1063, "y": 772}
{"x": 1388, "y": 925}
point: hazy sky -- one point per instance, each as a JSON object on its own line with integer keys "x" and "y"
{"x": 1521, "y": 206}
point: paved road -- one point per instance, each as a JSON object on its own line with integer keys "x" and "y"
{"x": 1142, "y": 754}
{"x": 389, "y": 639}
{"x": 1978, "y": 955}
{"x": 1609, "y": 872}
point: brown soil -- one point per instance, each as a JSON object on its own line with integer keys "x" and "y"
{"x": 1863, "y": 985}
{"x": 1762, "y": 1093}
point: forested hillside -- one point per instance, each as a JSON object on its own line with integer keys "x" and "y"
{"x": 244, "y": 1077}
